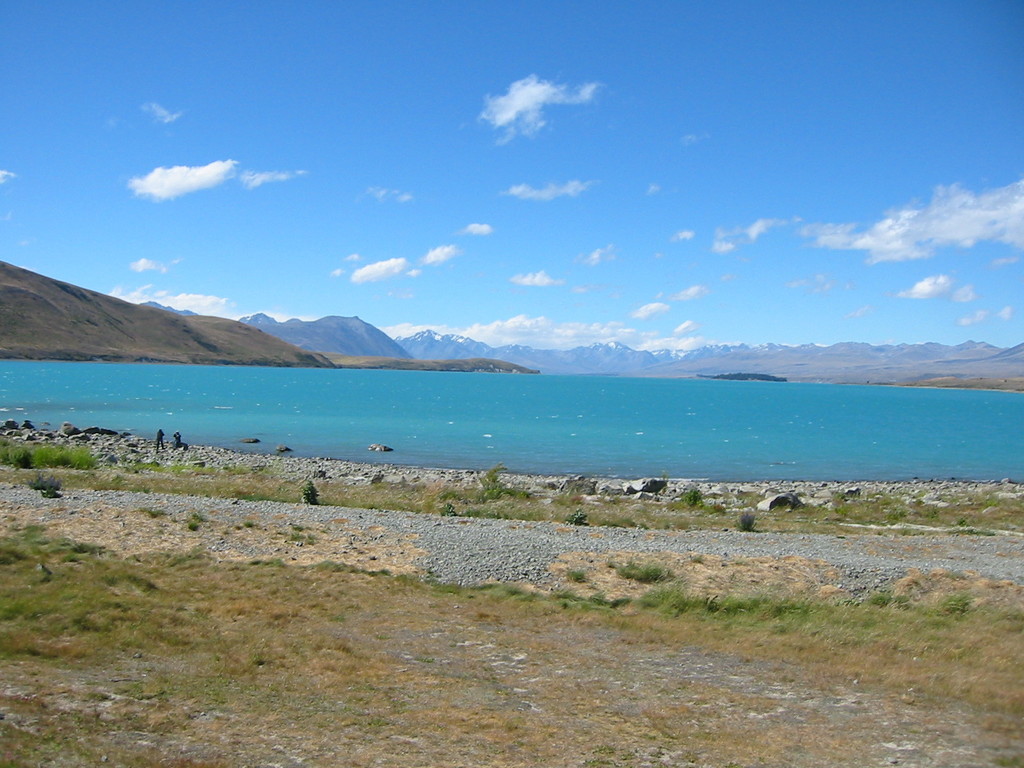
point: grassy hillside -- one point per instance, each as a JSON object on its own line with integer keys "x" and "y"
{"x": 46, "y": 319}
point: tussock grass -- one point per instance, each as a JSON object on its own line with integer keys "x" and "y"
{"x": 134, "y": 658}
{"x": 44, "y": 455}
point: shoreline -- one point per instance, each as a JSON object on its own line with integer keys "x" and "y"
{"x": 114, "y": 448}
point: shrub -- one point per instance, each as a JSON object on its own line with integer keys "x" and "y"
{"x": 645, "y": 573}
{"x": 576, "y": 575}
{"x": 17, "y": 456}
{"x": 49, "y": 487}
{"x": 194, "y": 520}
{"x": 579, "y": 517}
{"x": 310, "y": 495}
{"x": 693, "y": 497}
{"x": 448, "y": 510}
{"x": 491, "y": 486}
{"x": 747, "y": 521}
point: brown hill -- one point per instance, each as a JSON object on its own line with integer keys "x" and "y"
{"x": 46, "y": 319}
{"x": 466, "y": 365}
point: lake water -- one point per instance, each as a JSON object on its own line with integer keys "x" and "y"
{"x": 605, "y": 426}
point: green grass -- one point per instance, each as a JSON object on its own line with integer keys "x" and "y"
{"x": 43, "y": 455}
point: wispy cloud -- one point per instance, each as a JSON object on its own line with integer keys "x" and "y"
{"x": 536, "y": 279}
{"x": 520, "y": 111}
{"x": 648, "y": 311}
{"x": 169, "y": 183}
{"x": 693, "y": 138}
{"x": 954, "y": 217}
{"x": 817, "y": 284}
{"x": 598, "y": 256}
{"x": 1005, "y": 261}
{"x": 199, "y": 303}
{"x": 727, "y": 240}
{"x": 148, "y": 265}
{"x": 683, "y": 234}
{"x": 380, "y": 270}
{"x": 160, "y": 114}
{"x": 653, "y": 189}
{"x": 476, "y": 229}
{"x": 440, "y": 254}
{"x": 6, "y": 176}
{"x": 864, "y": 311}
{"x": 1006, "y": 313}
{"x": 973, "y": 319}
{"x": 691, "y": 293}
{"x": 551, "y": 191}
{"x": 383, "y": 194}
{"x": 253, "y": 179}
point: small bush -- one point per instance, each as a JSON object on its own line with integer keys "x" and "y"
{"x": 448, "y": 510}
{"x": 492, "y": 487}
{"x": 576, "y": 575}
{"x": 645, "y": 573}
{"x": 693, "y": 497}
{"x": 956, "y": 605}
{"x": 310, "y": 495}
{"x": 49, "y": 487}
{"x": 747, "y": 521}
{"x": 579, "y": 517}
{"x": 194, "y": 520}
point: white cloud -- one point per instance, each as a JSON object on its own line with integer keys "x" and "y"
{"x": 692, "y": 138}
{"x": 353, "y": 257}
{"x": 973, "y": 319}
{"x": 380, "y": 270}
{"x": 691, "y": 293}
{"x": 1006, "y": 313}
{"x": 6, "y": 176}
{"x": 597, "y": 256}
{"x": 383, "y": 194}
{"x": 683, "y": 234}
{"x": 550, "y": 192}
{"x": 727, "y": 240}
{"x": 160, "y": 114}
{"x": 193, "y": 302}
{"x": 168, "y": 183}
{"x": 684, "y": 328}
{"x": 476, "y": 229}
{"x": 144, "y": 265}
{"x": 817, "y": 284}
{"x": 440, "y": 254}
{"x": 653, "y": 189}
{"x": 1004, "y": 262}
{"x": 867, "y": 309}
{"x": 253, "y": 179}
{"x": 932, "y": 287}
{"x": 954, "y": 217}
{"x": 964, "y": 293}
{"x": 648, "y": 311}
{"x": 521, "y": 109}
{"x": 337, "y": 272}
{"x": 536, "y": 279}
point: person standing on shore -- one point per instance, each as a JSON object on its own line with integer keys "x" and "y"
{"x": 177, "y": 440}
{"x": 159, "y": 439}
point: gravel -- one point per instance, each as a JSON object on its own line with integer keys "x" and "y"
{"x": 470, "y": 551}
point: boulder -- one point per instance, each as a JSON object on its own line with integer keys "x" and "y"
{"x": 10, "y": 424}
{"x": 581, "y": 486}
{"x": 283, "y": 449}
{"x": 98, "y": 431}
{"x": 646, "y": 485}
{"x": 379, "y": 447}
{"x": 788, "y": 499}
{"x": 68, "y": 429}
{"x": 249, "y": 440}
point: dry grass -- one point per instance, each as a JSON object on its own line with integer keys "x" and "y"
{"x": 180, "y": 660}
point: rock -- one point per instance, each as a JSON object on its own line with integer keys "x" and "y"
{"x": 10, "y": 424}
{"x": 579, "y": 486}
{"x": 68, "y": 429}
{"x": 98, "y": 431}
{"x": 249, "y": 440}
{"x": 379, "y": 447}
{"x": 283, "y": 449}
{"x": 788, "y": 499}
{"x": 646, "y": 485}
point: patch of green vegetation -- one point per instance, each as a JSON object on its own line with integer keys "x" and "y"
{"x": 43, "y": 455}
{"x": 645, "y": 573}
{"x": 492, "y": 487}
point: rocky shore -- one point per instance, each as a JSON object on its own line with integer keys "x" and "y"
{"x": 540, "y": 554}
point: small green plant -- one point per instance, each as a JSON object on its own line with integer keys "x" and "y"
{"x": 579, "y": 517}
{"x": 492, "y": 487}
{"x": 310, "y": 495}
{"x": 194, "y": 520}
{"x": 957, "y": 604}
{"x": 577, "y": 575}
{"x": 693, "y": 497}
{"x": 747, "y": 521}
{"x": 49, "y": 487}
{"x": 448, "y": 510}
{"x": 645, "y": 573}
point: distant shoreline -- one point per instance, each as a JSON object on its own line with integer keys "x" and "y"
{"x": 1013, "y": 384}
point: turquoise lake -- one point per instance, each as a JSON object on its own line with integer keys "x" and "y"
{"x": 605, "y": 426}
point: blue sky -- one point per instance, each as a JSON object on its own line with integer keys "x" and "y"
{"x": 662, "y": 174}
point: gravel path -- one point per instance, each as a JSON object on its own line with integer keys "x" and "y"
{"x": 471, "y": 550}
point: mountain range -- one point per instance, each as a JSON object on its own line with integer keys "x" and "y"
{"x": 847, "y": 362}
{"x": 46, "y": 319}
